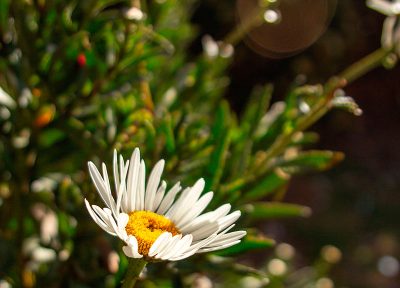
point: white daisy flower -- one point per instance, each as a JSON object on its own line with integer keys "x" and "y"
{"x": 153, "y": 223}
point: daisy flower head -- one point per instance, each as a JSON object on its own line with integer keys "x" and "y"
{"x": 156, "y": 224}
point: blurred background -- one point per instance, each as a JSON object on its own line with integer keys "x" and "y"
{"x": 356, "y": 205}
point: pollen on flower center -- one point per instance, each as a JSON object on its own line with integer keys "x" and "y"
{"x": 146, "y": 226}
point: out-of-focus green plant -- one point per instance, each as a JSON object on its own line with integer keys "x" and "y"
{"x": 81, "y": 78}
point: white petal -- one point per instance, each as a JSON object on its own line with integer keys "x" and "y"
{"x": 194, "y": 248}
{"x": 204, "y": 218}
{"x": 115, "y": 170}
{"x": 178, "y": 203}
{"x": 222, "y": 210}
{"x": 195, "y": 211}
{"x": 131, "y": 250}
{"x": 169, "y": 248}
{"x": 103, "y": 216}
{"x": 223, "y": 238}
{"x": 114, "y": 224}
{"x": 226, "y": 238}
{"x": 221, "y": 233}
{"x": 159, "y": 196}
{"x": 141, "y": 187}
{"x": 93, "y": 215}
{"x": 169, "y": 199}
{"x": 228, "y": 220}
{"x": 98, "y": 220}
{"x": 99, "y": 183}
{"x": 205, "y": 231}
{"x": 186, "y": 201}
{"x": 122, "y": 220}
{"x": 160, "y": 243}
{"x": 182, "y": 246}
{"x": 209, "y": 216}
{"x": 152, "y": 185}
{"x": 133, "y": 176}
{"x": 111, "y": 200}
{"x": 122, "y": 168}
{"x": 197, "y": 224}
{"x": 122, "y": 189}
{"x": 203, "y": 250}
{"x": 107, "y": 217}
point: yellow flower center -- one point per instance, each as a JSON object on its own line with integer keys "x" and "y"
{"x": 146, "y": 226}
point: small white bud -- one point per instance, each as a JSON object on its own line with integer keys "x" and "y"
{"x": 134, "y": 13}
{"x": 210, "y": 47}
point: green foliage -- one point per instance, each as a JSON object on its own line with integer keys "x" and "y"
{"x": 271, "y": 210}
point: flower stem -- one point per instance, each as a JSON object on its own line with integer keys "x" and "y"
{"x": 132, "y": 274}
{"x": 366, "y": 64}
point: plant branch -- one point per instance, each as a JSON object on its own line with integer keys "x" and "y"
{"x": 350, "y": 74}
{"x": 135, "y": 267}
{"x": 366, "y": 64}
{"x": 322, "y": 106}
{"x": 253, "y": 20}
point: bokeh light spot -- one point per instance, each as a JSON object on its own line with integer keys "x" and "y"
{"x": 388, "y": 266}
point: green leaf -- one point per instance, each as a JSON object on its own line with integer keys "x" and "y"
{"x": 221, "y": 137}
{"x": 272, "y": 210}
{"x": 167, "y": 130}
{"x": 257, "y": 107}
{"x": 248, "y": 243}
{"x": 311, "y": 160}
{"x": 4, "y": 5}
{"x": 50, "y": 136}
{"x": 305, "y": 138}
{"x": 65, "y": 226}
{"x": 267, "y": 186}
{"x": 255, "y": 110}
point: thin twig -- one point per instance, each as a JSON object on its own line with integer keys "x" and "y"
{"x": 350, "y": 74}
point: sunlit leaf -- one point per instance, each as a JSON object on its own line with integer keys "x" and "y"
{"x": 268, "y": 185}
{"x": 311, "y": 160}
{"x": 272, "y": 210}
{"x": 221, "y": 136}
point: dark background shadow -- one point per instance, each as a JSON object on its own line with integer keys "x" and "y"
{"x": 355, "y": 205}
